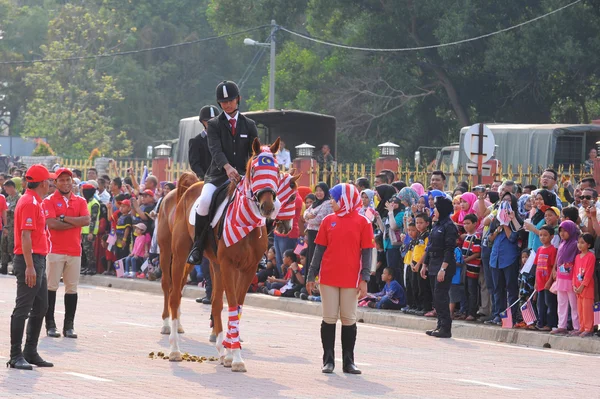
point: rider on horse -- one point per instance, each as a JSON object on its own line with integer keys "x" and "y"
{"x": 230, "y": 137}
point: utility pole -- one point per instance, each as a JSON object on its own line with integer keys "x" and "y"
{"x": 272, "y": 67}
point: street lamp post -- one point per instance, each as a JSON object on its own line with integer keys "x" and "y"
{"x": 271, "y": 44}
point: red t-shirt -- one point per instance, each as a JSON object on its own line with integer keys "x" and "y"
{"x": 545, "y": 258}
{"x": 583, "y": 273}
{"x": 65, "y": 242}
{"x": 295, "y": 231}
{"x": 3, "y": 207}
{"x": 29, "y": 215}
{"x": 344, "y": 238}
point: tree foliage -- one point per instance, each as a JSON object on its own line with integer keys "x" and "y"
{"x": 543, "y": 72}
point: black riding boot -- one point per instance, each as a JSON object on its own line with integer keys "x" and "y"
{"x": 17, "y": 361}
{"x": 348, "y": 341}
{"x": 195, "y": 256}
{"x": 328, "y": 341}
{"x": 70, "y": 308}
{"x": 30, "y": 353}
{"x": 50, "y": 323}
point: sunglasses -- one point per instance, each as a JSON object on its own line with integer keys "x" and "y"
{"x": 585, "y": 197}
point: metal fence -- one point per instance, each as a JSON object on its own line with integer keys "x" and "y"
{"x": 346, "y": 172}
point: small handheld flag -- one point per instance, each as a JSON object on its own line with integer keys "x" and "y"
{"x": 119, "y": 268}
{"x": 506, "y": 317}
{"x": 300, "y": 246}
{"x": 528, "y": 313}
{"x": 597, "y": 314}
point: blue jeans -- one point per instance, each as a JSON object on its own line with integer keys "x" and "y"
{"x": 131, "y": 264}
{"x": 547, "y": 307}
{"x": 282, "y": 244}
{"x": 487, "y": 274}
{"x": 506, "y": 287}
{"x": 386, "y": 303}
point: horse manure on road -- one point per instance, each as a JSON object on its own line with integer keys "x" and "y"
{"x": 186, "y": 357}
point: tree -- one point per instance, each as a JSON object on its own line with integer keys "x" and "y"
{"x": 73, "y": 101}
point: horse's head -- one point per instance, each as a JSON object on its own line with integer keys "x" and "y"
{"x": 286, "y": 193}
{"x": 263, "y": 176}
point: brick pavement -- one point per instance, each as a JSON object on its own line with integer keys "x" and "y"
{"x": 117, "y": 329}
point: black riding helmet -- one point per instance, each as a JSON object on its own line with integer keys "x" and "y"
{"x": 208, "y": 112}
{"x": 227, "y": 91}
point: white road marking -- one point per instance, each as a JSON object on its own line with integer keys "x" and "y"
{"x": 1, "y": 301}
{"x": 135, "y": 324}
{"x": 487, "y": 384}
{"x": 357, "y": 363}
{"x": 87, "y": 377}
{"x": 59, "y": 311}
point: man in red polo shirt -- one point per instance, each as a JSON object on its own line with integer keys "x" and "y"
{"x": 66, "y": 214}
{"x": 29, "y": 265}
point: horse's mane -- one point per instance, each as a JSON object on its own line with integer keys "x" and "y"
{"x": 233, "y": 185}
{"x": 185, "y": 181}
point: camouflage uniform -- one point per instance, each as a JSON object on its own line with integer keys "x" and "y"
{"x": 87, "y": 246}
{"x": 7, "y": 243}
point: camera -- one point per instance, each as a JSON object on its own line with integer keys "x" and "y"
{"x": 479, "y": 189}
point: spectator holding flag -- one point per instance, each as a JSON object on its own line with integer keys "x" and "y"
{"x": 583, "y": 284}
{"x": 545, "y": 259}
{"x": 563, "y": 270}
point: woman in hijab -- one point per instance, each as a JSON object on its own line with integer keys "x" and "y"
{"x": 524, "y": 206}
{"x": 563, "y": 269}
{"x": 409, "y": 198}
{"x": 367, "y": 200}
{"x": 384, "y": 192}
{"x": 398, "y": 185}
{"x": 390, "y": 223}
{"x": 433, "y": 194}
{"x": 544, "y": 200}
{"x": 504, "y": 259}
{"x": 468, "y": 205}
{"x": 313, "y": 217}
{"x": 343, "y": 253}
{"x": 440, "y": 265}
{"x": 18, "y": 184}
{"x": 418, "y": 187}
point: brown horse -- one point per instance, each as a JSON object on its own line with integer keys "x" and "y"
{"x": 235, "y": 265}
{"x": 164, "y": 232}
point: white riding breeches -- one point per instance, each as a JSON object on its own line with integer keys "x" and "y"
{"x": 205, "y": 198}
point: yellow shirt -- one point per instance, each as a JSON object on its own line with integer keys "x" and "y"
{"x": 419, "y": 250}
{"x": 408, "y": 257}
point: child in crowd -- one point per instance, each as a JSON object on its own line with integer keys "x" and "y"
{"x": 583, "y": 284}
{"x": 471, "y": 250}
{"x": 123, "y": 231}
{"x": 270, "y": 270}
{"x": 563, "y": 270}
{"x": 526, "y": 283}
{"x": 552, "y": 218}
{"x": 424, "y": 296}
{"x": 411, "y": 292}
{"x": 139, "y": 253}
{"x": 457, "y": 288}
{"x": 376, "y": 283}
{"x": 570, "y": 213}
{"x": 545, "y": 260}
{"x": 392, "y": 296}
{"x": 293, "y": 280}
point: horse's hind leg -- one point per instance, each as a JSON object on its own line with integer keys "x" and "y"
{"x": 216, "y": 309}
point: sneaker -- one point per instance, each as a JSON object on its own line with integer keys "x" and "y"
{"x": 297, "y": 294}
{"x": 141, "y": 276}
{"x": 303, "y": 296}
{"x": 493, "y": 322}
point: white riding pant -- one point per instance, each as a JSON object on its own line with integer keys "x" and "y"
{"x": 205, "y": 198}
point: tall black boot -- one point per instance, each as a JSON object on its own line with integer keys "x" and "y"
{"x": 70, "y": 308}
{"x": 195, "y": 256}
{"x": 348, "y": 341}
{"x": 328, "y": 341}
{"x": 17, "y": 361}
{"x": 30, "y": 353}
{"x": 50, "y": 323}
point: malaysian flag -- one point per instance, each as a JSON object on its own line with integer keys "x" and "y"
{"x": 528, "y": 313}
{"x": 301, "y": 245}
{"x": 286, "y": 194}
{"x": 119, "y": 266}
{"x": 597, "y": 314}
{"x": 506, "y": 317}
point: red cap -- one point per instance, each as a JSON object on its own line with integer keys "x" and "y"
{"x": 126, "y": 202}
{"x": 87, "y": 187}
{"x": 38, "y": 173}
{"x": 60, "y": 171}
{"x": 147, "y": 192}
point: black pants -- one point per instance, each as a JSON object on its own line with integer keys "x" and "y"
{"x": 411, "y": 297}
{"x": 205, "y": 267}
{"x": 312, "y": 235}
{"x": 424, "y": 292}
{"x": 473, "y": 295}
{"x": 441, "y": 297}
{"x": 30, "y": 302}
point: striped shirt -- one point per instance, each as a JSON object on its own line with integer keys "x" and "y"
{"x": 472, "y": 245}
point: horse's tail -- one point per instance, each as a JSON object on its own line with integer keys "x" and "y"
{"x": 186, "y": 180}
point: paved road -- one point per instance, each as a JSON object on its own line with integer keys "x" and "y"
{"x": 118, "y": 329}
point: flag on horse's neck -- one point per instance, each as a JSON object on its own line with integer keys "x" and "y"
{"x": 243, "y": 214}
